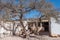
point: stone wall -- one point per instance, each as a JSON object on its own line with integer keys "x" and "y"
{"x": 9, "y": 25}
{"x": 3, "y": 31}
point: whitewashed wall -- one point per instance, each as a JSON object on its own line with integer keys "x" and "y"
{"x": 9, "y": 25}
{"x": 54, "y": 27}
{"x": 4, "y": 32}
{"x": 25, "y": 23}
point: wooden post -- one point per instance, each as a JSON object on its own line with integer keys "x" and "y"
{"x": 36, "y": 23}
{"x": 40, "y": 24}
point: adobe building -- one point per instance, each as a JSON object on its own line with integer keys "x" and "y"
{"x": 36, "y": 22}
{"x": 51, "y": 26}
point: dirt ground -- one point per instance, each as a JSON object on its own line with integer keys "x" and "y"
{"x": 12, "y": 38}
{"x": 42, "y": 37}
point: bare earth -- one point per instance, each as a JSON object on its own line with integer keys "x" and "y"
{"x": 43, "y": 37}
{"x": 12, "y": 38}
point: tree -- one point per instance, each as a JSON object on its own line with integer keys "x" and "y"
{"x": 10, "y": 8}
{"x": 44, "y": 7}
{"x": 48, "y": 10}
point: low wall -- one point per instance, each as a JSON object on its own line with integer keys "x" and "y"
{"x": 11, "y": 26}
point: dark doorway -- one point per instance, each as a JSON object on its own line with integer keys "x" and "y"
{"x": 46, "y": 26}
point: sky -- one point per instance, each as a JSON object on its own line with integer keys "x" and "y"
{"x": 55, "y": 3}
{"x": 35, "y": 13}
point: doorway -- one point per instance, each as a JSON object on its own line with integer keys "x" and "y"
{"x": 46, "y": 26}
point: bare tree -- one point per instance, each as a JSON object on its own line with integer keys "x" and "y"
{"x": 44, "y": 7}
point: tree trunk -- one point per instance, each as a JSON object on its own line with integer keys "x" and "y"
{"x": 13, "y": 29}
{"x": 21, "y": 21}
